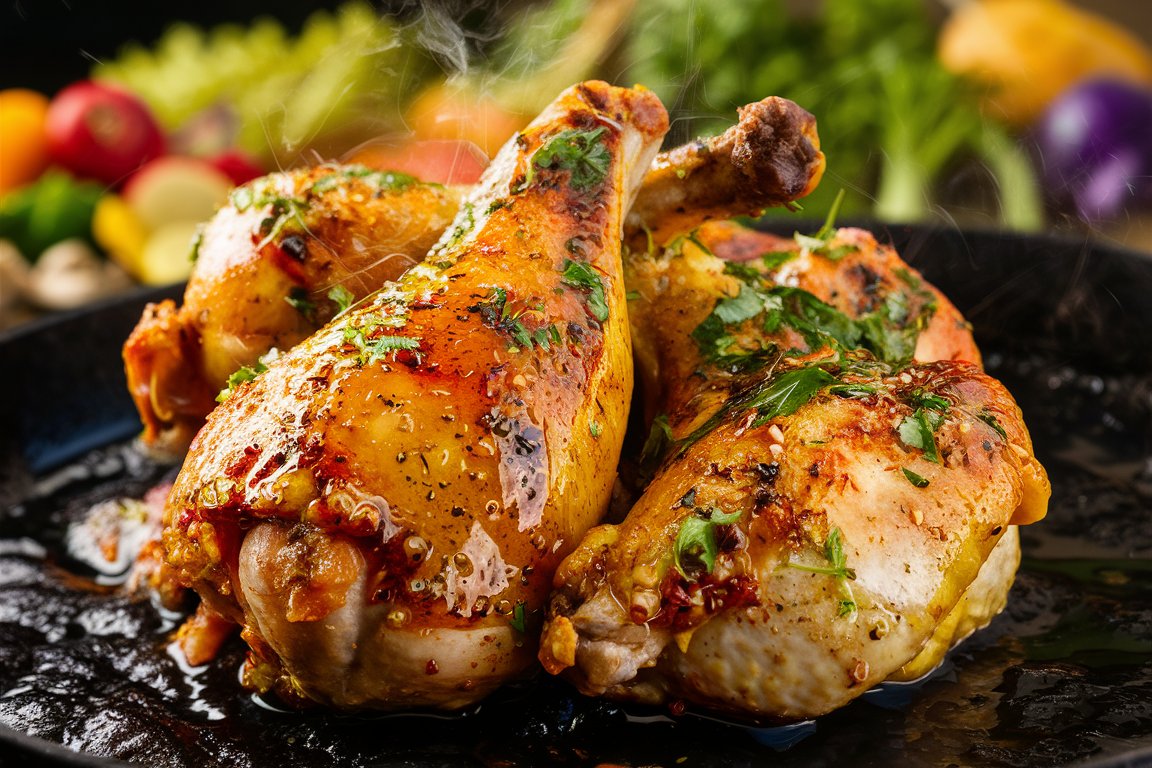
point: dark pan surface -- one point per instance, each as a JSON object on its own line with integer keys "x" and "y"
{"x": 1063, "y": 677}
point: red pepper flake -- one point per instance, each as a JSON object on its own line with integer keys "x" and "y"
{"x": 431, "y": 668}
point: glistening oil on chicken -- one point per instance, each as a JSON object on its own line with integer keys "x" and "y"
{"x": 382, "y": 509}
{"x": 394, "y": 506}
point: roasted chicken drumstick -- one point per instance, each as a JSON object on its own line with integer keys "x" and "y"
{"x": 382, "y": 509}
{"x": 829, "y": 513}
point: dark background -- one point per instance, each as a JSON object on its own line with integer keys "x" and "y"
{"x": 46, "y": 44}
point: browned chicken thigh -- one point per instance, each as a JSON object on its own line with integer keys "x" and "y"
{"x": 829, "y": 512}
{"x": 383, "y": 508}
{"x": 273, "y": 265}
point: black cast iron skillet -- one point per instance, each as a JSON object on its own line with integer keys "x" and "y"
{"x": 1063, "y": 677}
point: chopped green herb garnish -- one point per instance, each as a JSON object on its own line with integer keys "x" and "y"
{"x": 343, "y": 298}
{"x": 740, "y": 270}
{"x": 931, "y": 401}
{"x": 519, "y": 619}
{"x": 743, "y": 306}
{"x": 242, "y": 198}
{"x": 917, "y": 431}
{"x": 695, "y": 549}
{"x": 889, "y": 332}
{"x": 773, "y": 260}
{"x": 828, "y": 230}
{"x": 373, "y": 348}
{"x": 371, "y": 341}
{"x": 990, "y": 419}
{"x": 583, "y": 276}
{"x": 499, "y": 204}
{"x": 821, "y": 242}
{"x": 632, "y": 295}
{"x": 910, "y": 279}
{"x": 285, "y": 209}
{"x": 463, "y": 224}
{"x": 390, "y": 180}
{"x": 595, "y": 429}
{"x": 197, "y": 241}
{"x": 298, "y": 299}
{"x": 780, "y": 396}
{"x": 837, "y": 567}
{"x": 243, "y": 374}
{"x": 788, "y": 392}
{"x": 246, "y": 373}
{"x": 580, "y": 152}
{"x": 854, "y": 391}
{"x": 915, "y": 479}
{"x": 496, "y": 312}
{"x": 834, "y": 554}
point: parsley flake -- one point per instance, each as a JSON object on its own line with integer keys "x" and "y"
{"x": 519, "y": 618}
{"x": 916, "y": 480}
{"x": 780, "y": 396}
{"x": 657, "y": 444}
{"x": 580, "y": 152}
{"x": 382, "y": 180}
{"x": 917, "y": 431}
{"x": 788, "y": 392}
{"x": 695, "y": 549}
{"x": 284, "y": 209}
{"x": 989, "y": 418}
{"x": 497, "y": 313}
{"x": 837, "y": 567}
{"x": 343, "y": 298}
{"x": 371, "y": 341}
{"x": 246, "y": 373}
{"x": 583, "y": 276}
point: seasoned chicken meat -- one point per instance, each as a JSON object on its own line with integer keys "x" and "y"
{"x": 837, "y": 494}
{"x": 382, "y": 509}
{"x": 272, "y": 266}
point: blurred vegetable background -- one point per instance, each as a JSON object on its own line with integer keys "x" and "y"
{"x": 116, "y": 144}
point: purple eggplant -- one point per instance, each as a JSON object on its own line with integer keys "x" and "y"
{"x": 1094, "y": 149}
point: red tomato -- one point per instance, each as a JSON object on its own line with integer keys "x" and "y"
{"x": 101, "y": 132}
{"x": 438, "y": 161}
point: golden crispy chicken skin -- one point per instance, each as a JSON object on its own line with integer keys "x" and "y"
{"x": 271, "y": 268}
{"x": 828, "y": 514}
{"x": 383, "y": 508}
